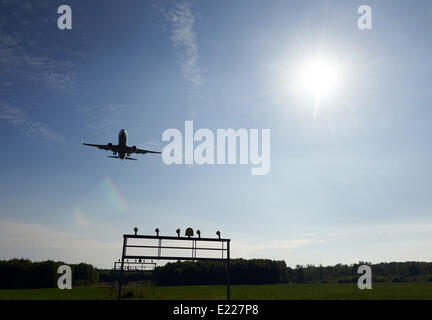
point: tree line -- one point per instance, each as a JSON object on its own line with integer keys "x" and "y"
{"x": 260, "y": 271}
{"x": 25, "y": 274}
{"x": 253, "y": 271}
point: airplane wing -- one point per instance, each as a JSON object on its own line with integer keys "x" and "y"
{"x": 139, "y": 151}
{"x": 146, "y": 151}
{"x": 101, "y": 146}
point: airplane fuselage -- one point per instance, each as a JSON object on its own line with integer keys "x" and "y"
{"x": 122, "y": 143}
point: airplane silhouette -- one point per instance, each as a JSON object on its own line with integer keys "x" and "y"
{"x": 121, "y": 150}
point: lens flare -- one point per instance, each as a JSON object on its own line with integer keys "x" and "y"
{"x": 114, "y": 196}
{"x": 80, "y": 219}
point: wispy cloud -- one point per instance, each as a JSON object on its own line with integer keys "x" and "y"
{"x": 28, "y": 69}
{"x": 385, "y": 242}
{"x": 33, "y": 129}
{"x": 39, "y": 242}
{"x": 20, "y": 67}
{"x": 183, "y": 38}
{"x": 254, "y": 248}
{"x": 102, "y": 117}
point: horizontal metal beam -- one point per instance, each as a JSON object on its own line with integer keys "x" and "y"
{"x": 169, "y": 247}
{"x": 137, "y": 263}
{"x": 132, "y": 236}
{"x": 173, "y": 258}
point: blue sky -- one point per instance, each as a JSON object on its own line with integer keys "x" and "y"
{"x": 349, "y": 183}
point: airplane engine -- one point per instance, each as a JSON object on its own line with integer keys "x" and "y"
{"x": 134, "y": 148}
{"x": 109, "y": 144}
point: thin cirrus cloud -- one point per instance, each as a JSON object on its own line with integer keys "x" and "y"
{"x": 23, "y": 58}
{"x": 23, "y": 68}
{"x": 19, "y": 67}
{"x": 40, "y": 242}
{"x": 254, "y": 248}
{"x": 183, "y": 38}
{"x": 33, "y": 129}
{"x": 102, "y": 118}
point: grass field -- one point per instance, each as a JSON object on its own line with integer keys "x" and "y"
{"x": 241, "y": 292}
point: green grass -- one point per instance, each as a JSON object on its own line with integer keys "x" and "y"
{"x": 400, "y": 291}
{"x": 78, "y": 293}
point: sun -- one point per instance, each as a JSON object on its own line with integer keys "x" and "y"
{"x": 319, "y": 78}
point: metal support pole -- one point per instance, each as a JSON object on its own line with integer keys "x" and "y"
{"x": 228, "y": 271}
{"x": 121, "y": 268}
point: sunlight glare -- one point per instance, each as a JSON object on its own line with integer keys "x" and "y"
{"x": 319, "y": 78}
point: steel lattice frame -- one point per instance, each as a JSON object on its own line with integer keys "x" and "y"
{"x": 225, "y": 248}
